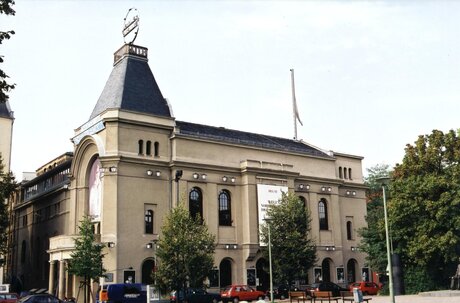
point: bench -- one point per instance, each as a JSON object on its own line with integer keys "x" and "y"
{"x": 347, "y": 296}
{"x": 299, "y": 295}
{"x": 324, "y": 296}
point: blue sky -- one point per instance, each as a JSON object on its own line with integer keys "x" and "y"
{"x": 370, "y": 76}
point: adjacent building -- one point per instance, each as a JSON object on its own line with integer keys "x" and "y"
{"x": 133, "y": 162}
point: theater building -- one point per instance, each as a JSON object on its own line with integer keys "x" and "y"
{"x": 133, "y": 161}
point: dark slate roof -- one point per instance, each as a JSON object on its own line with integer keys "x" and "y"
{"x": 5, "y": 110}
{"x": 132, "y": 86}
{"x": 244, "y": 138}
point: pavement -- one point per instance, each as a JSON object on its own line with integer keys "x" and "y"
{"x": 443, "y": 296}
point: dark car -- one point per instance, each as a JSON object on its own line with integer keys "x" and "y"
{"x": 195, "y": 295}
{"x": 122, "y": 293}
{"x": 328, "y": 286}
{"x": 40, "y": 298}
{"x": 282, "y": 291}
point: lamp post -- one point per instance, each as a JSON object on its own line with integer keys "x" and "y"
{"x": 383, "y": 180}
{"x": 267, "y": 220}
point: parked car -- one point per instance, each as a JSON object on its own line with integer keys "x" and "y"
{"x": 367, "y": 288}
{"x": 195, "y": 295}
{"x": 236, "y": 293}
{"x": 40, "y": 298}
{"x": 122, "y": 293}
{"x": 281, "y": 292}
{"x": 9, "y": 298}
{"x": 328, "y": 286}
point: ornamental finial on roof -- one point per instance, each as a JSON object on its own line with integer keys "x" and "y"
{"x": 131, "y": 25}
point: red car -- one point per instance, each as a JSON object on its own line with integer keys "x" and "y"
{"x": 8, "y": 298}
{"x": 367, "y": 288}
{"x": 236, "y": 293}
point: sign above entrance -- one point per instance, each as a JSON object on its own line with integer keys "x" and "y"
{"x": 131, "y": 25}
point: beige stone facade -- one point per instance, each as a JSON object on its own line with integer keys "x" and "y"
{"x": 124, "y": 170}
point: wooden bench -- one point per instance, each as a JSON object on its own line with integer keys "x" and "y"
{"x": 299, "y": 295}
{"x": 324, "y": 296}
{"x": 347, "y": 296}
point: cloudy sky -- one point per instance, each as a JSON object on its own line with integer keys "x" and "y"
{"x": 370, "y": 76}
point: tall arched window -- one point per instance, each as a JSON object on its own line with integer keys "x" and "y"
{"x": 345, "y": 173}
{"x": 349, "y": 174}
{"x": 322, "y": 212}
{"x": 225, "y": 209}
{"x": 340, "y": 172}
{"x": 156, "y": 150}
{"x": 349, "y": 230}
{"x": 148, "y": 148}
{"x": 140, "y": 147}
{"x": 148, "y": 221}
{"x": 195, "y": 203}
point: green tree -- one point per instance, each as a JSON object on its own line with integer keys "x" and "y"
{"x": 7, "y": 187}
{"x": 373, "y": 236}
{"x": 424, "y": 211}
{"x": 186, "y": 251}
{"x": 5, "y": 87}
{"x": 293, "y": 249}
{"x": 86, "y": 261}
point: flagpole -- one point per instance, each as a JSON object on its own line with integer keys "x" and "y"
{"x": 294, "y": 111}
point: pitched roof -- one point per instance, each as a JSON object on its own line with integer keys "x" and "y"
{"x": 5, "y": 110}
{"x": 131, "y": 85}
{"x": 245, "y": 138}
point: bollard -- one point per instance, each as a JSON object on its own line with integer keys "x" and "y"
{"x": 357, "y": 295}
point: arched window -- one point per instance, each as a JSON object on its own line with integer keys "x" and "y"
{"x": 340, "y": 172}
{"x": 148, "y": 148}
{"x": 195, "y": 203}
{"x": 225, "y": 209}
{"x": 345, "y": 173}
{"x": 141, "y": 147}
{"x": 349, "y": 230}
{"x": 349, "y": 173}
{"x": 322, "y": 212}
{"x": 23, "y": 251}
{"x": 156, "y": 147}
{"x": 148, "y": 221}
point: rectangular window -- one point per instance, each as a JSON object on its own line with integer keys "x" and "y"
{"x": 340, "y": 275}
{"x": 57, "y": 208}
{"x": 214, "y": 278}
{"x": 149, "y": 218}
{"x": 318, "y": 274}
{"x": 251, "y": 276}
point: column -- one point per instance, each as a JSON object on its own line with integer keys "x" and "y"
{"x": 51, "y": 277}
{"x": 61, "y": 279}
{"x": 67, "y": 295}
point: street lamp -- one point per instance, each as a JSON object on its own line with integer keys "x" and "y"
{"x": 267, "y": 220}
{"x": 384, "y": 180}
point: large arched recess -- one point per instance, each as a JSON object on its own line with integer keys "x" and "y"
{"x": 262, "y": 273}
{"x": 225, "y": 272}
{"x": 88, "y": 149}
{"x": 327, "y": 265}
{"x": 352, "y": 269}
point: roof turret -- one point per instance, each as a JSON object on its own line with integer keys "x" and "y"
{"x": 131, "y": 85}
{"x": 5, "y": 110}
